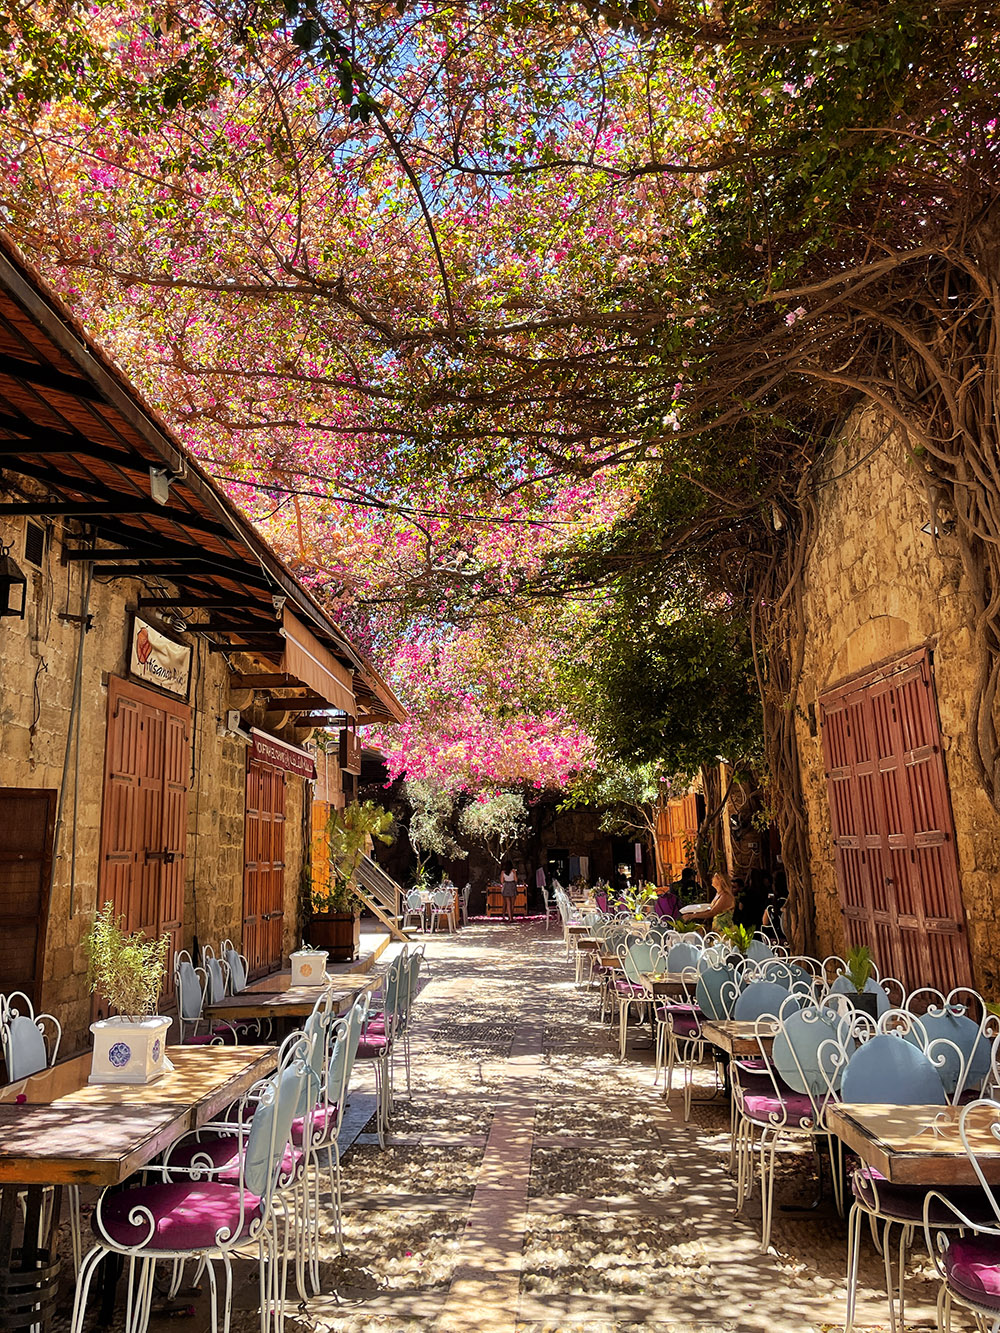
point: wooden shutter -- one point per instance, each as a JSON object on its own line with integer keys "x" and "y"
{"x": 897, "y": 869}
{"x": 144, "y": 820}
{"x": 27, "y": 825}
{"x": 264, "y": 867}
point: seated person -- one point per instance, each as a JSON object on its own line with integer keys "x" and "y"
{"x": 667, "y": 903}
{"x": 723, "y": 902}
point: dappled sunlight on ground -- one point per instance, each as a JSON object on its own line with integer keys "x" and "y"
{"x": 535, "y": 1185}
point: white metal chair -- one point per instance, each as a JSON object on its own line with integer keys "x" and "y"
{"x": 29, "y": 1043}
{"x": 201, "y": 1212}
{"x": 414, "y": 907}
{"x": 443, "y": 909}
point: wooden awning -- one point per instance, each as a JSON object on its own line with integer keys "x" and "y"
{"x": 307, "y": 660}
{"x": 78, "y": 443}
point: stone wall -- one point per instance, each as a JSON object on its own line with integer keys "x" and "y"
{"x": 876, "y": 586}
{"x": 37, "y": 664}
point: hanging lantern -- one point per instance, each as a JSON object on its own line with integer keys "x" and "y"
{"x": 11, "y": 579}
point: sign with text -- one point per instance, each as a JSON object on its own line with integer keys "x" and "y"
{"x": 159, "y": 660}
{"x": 279, "y": 754}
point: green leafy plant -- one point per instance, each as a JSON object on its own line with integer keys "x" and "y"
{"x": 348, "y": 831}
{"x": 637, "y": 898}
{"x": 740, "y": 937}
{"x": 127, "y": 969}
{"x": 859, "y": 966}
{"x": 688, "y": 927}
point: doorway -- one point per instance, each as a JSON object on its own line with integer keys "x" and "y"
{"x": 894, "y": 839}
{"x": 27, "y": 823}
{"x": 144, "y": 824}
{"x": 264, "y": 867}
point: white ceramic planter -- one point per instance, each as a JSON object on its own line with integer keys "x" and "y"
{"x": 308, "y": 967}
{"x": 127, "y": 1052}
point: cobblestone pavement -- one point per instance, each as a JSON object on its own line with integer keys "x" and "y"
{"x": 535, "y": 1185}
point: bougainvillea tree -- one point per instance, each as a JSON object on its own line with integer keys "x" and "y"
{"x": 433, "y": 290}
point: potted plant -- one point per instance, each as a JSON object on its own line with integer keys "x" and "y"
{"x": 637, "y": 898}
{"x": 858, "y": 971}
{"x": 335, "y": 909}
{"x": 308, "y": 965}
{"x": 128, "y": 971}
{"x": 739, "y": 938}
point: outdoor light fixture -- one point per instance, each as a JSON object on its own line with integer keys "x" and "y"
{"x": 11, "y": 578}
{"x": 159, "y": 485}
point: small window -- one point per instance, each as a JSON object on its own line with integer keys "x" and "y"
{"x": 34, "y": 544}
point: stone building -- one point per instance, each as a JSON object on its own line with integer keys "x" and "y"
{"x": 161, "y": 673}
{"x": 905, "y": 845}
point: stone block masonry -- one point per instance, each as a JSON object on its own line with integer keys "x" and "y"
{"x": 877, "y": 586}
{"x": 37, "y": 665}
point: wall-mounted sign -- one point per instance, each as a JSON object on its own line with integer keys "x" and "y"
{"x": 159, "y": 660}
{"x": 350, "y": 749}
{"x": 279, "y": 754}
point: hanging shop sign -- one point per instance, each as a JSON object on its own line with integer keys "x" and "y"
{"x": 158, "y": 660}
{"x": 350, "y": 748}
{"x": 279, "y": 754}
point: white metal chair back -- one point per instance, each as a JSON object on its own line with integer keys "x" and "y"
{"x": 22, "y": 1037}
{"x": 239, "y": 968}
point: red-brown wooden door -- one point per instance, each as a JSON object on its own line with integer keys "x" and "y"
{"x": 27, "y": 822}
{"x": 897, "y": 869}
{"x": 264, "y": 867}
{"x": 144, "y": 824}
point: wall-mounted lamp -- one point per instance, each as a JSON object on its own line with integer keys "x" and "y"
{"x": 11, "y": 579}
{"x": 159, "y": 485}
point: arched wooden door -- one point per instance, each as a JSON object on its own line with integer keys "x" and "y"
{"x": 894, "y": 840}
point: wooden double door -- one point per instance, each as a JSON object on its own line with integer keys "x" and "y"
{"x": 264, "y": 867}
{"x": 144, "y": 824}
{"x": 896, "y": 864}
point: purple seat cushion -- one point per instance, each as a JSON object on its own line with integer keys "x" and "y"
{"x": 684, "y": 1019}
{"x": 972, "y": 1267}
{"x": 371, "y": 1046}
{"x": 789, "y": 1108}
{"x": 322, "y": 1116}
{"x": 625, "y": 987}
{"x": 906, "y": 1202}
{"x": 185, "y": 1216}
{"x": 223, "y": 1151}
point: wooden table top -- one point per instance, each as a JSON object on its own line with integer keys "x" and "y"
{"x": 140, "y": 1119}
{"x": 577, "y": 928}
{"x": 669, "y": 983}
{"x": 587, "y": 945}
{"x": 611, "y": 961}
{"x": 918, "y": 1145}
{"x": 735, "y": 1038}
{"x": 295, "y": 1002}
{"x": 66, "y": 1144}
{"x": 278, "y": 981}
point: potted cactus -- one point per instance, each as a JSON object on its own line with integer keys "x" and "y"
{"x": 127, "y": 970}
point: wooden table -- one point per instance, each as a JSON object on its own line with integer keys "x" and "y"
{"x": 295, "y": 1002}
{"x": 56, "y": 1129}
{"x": 737, "y": 1038}
{"x": 341, "y": 981}
{"x": 668, "y": 983}
{"x": 917, "y": 1145}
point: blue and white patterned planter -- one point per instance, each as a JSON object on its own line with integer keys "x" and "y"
{"x": 127, "y": 1052}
